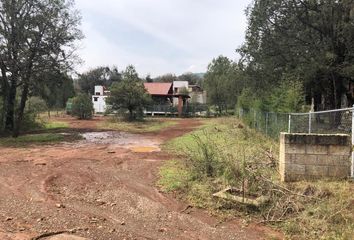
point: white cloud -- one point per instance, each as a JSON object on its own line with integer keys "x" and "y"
{"x": 194, "y": 31}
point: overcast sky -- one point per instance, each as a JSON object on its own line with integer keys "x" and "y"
{"x": 160, "y": 36}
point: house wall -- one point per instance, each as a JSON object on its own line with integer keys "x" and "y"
{"x": 176, "y": 86}
{"x": 314, "y": 156}
{"x": 99, "y": 90}
{"x": 99, "y": 105}
{"x": 198, "y": 97}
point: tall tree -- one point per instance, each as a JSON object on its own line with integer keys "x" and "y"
{"x": 35, "y": 36}
{"x": 104, "y": 76}
{"x": 311, "y": 41}
{"x": 129, "y": 94}
{"x": 222, "y": 83}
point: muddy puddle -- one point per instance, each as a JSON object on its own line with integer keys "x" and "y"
{"x": 135, "y": 142}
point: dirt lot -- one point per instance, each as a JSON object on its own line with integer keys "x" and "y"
{"x": 103, "y": 187}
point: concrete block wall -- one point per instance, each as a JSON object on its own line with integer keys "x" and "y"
{"x": 314, "y": 156}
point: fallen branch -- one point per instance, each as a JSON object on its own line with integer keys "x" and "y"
{"x": 49, "y": 234}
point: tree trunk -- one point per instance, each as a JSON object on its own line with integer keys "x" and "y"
{"x": 10, "y": 113}
{"x": 21, "y": 109}
{"x": 130, "y": 114}
{"x": 5, "y": 92}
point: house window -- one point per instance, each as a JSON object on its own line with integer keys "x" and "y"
{"x": 98, "y": 93}
{"x": 95, "y": 99}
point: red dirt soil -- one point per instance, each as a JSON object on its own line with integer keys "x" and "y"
{"x": 101, "y": 191}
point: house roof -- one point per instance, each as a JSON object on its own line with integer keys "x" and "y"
{"x": 158, "y": 88}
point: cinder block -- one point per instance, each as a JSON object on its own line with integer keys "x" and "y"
{"x": 333, "y": 160}
{"x": 339, "y": 150}
{"x": 295, "y": 148}
{"x": 305, "y": 159}
{"x": 295, "y": 169}
{"x": 316, "y": 170}
{"x": 316, "y": 149}
{"x": 339, "y": 172}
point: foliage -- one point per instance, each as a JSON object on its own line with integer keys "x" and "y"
{"x": 309, "y": 41}
{"x": 167, "y": 78}
{"x": 36, "y": 37}
{"x": 82, "y": 107}
{"x": 191, "y": 78}
{"x": 287, "y": 97}
{"x": 222, "y": 83}
{"x": 102, "y": 76}
{"x": 33, "y": 138}
{"x": 129, "y": 95}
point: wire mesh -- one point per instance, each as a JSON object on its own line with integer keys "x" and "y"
{"x": 271, "y": 124}
{"x": 325, "y": 122}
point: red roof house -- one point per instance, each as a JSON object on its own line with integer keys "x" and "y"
{"x": 159, "y": 89}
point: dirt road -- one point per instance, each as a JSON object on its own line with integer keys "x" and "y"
{"x": 103, "y": 187}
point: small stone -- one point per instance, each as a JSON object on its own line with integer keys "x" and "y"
{"x": 58, "y": 205}
{"x": 9, "y": 218}
{"x": 113, "y": 204}
{"x": 22, "y": 229}
{"x": 111, "y": 152}
{"x": 40, "y": 164}
{"x": 39, "y": 219}
{"x": 122, "y": 223}
{"x": 162, "y": 230}
{"x": 112, "y": 230}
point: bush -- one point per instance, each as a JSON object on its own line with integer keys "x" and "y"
{"x": 82, "y": 107}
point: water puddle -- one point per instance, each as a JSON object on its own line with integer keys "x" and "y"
{"x": 135, "y": 142}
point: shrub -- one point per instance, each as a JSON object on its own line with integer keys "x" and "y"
{"x": 82, "y": 107}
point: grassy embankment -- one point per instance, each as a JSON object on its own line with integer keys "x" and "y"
{"x": 146, "y": 125}
{"x": 226, "y": 153}
{"x": 41, "y": 138}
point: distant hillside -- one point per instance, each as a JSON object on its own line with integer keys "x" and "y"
{"x": 199, "y": 74}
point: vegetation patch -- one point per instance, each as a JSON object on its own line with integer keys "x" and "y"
{"x": 43, "y": 138}
{"x": 226, "y": 154}
{"x": 147, "y": 125}
{"x": 56, "y": 125}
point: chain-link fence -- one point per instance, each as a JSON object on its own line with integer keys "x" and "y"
{"x": 269, "y": 123}
{"x": 324, "y": 122}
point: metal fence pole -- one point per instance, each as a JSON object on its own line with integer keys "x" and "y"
{"x": 352, "y": 167}
{"x": 289, "y": 126}
{"x": 310, "y": 122}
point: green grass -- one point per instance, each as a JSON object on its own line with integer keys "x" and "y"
{"x": 327, "y": 213}
{"x": 172, "y": 176}
{"x": 56, "y": 125}
{"x": 32, "y": 139}
{"x": 147, "y": 125}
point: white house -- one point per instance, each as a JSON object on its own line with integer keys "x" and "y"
{"x": 99, "y": 99}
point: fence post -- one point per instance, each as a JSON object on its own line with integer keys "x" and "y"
{"x": 352, "y": 167}
{"x": 310, "y": 122}
{"x": 254, "y": 118}
{"x": 289, "y": 126}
